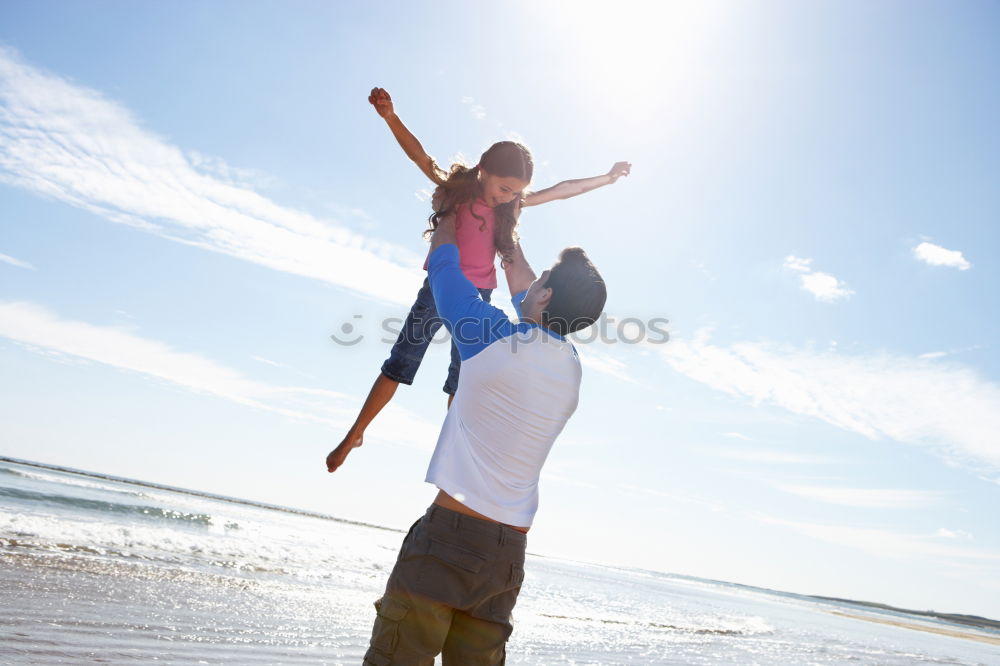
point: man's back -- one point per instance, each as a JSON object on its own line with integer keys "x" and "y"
{"x": 514, "y": 398}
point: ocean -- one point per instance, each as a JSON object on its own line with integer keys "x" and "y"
{"x": 102, "y": 570}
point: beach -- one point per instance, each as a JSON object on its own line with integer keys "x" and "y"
{"x": 942, "y": 631}
{"x": 103, "y": 570}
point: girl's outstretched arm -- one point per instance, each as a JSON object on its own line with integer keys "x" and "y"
{"x": 380, "y": 99}
{"x": 571, "y": 188}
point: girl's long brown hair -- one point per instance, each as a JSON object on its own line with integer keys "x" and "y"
{"x": 505, "y": 159}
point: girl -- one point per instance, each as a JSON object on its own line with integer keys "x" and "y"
{"x": 485, "y": 200}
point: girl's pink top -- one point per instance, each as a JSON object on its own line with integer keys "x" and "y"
{"x": 476, "y": 249}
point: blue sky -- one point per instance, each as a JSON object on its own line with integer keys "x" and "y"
{"x": 194, "y": 196}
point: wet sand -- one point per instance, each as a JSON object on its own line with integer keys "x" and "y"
{"x": 954, "y": 633}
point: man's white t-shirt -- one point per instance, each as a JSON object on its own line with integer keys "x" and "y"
{"x": 518, "y": 385}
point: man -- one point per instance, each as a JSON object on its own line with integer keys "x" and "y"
{"x": 461, "y": 565}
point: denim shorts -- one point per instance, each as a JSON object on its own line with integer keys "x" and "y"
{"x": 421, "y": 324}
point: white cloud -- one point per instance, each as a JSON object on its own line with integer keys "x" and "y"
{"x": 605, "y": 363}
{"x": 945, "y": 533}
{"x": 674, "y": 496}
{"x": 884, "y": 543}
{"x": 7, "y": 259}
{"x": 568, "y": 478}
{"x": 267, "y": 361}
{"x": 44, "y": 331}
{"x": 251, "y": 178}
{"x": 949, "y": 352}
{"x": 773, "y": 457}
{"x": 907, "y": 399}
{"x": 823, "y": 286}
{"x": 72, "y": 144}
{"x": 875, "y": 498}
{"x": 478, "y": 111}
{"x": 798, "y": 264}
{"x": 935, "y": 255}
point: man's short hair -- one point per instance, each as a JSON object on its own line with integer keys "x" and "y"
{"x": 578, "y": 293}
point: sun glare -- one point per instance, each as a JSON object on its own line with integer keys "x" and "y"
{"x": 633, "y": 56}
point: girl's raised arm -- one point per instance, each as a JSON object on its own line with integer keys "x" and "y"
{"x": 380, "y": 99}
{"x": 571, "y": 188}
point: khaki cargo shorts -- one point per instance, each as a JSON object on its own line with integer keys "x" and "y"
{"x": 451, "y": 592}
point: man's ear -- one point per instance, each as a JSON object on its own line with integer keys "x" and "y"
{"x": 544, "y": 296}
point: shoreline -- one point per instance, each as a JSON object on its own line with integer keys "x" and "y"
{"x": 196, "y": 493}
{"x": 953, "y": 633}
{"x": 972, "y": 622}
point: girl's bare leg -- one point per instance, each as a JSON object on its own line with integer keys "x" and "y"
{"x": 382, "y": 391}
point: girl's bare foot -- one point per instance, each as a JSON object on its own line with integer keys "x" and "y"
{"x": 381, "y": 393}
{"x": 339, "y": 454}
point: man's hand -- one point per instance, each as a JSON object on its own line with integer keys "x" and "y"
{"x": 518, "y": 272}
{"x": 618, "y": 170}
{"x": 380, "y": 99}
{"x": 439, "y": 200}
{"x": 445, "y": 232}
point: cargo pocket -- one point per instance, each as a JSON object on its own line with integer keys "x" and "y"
{"x": 502, "y": 605}
{"x": 516, "y": 575}
{"x": 385, "y": 635}
{"x": 451, "y": 575}
{"x": 457, "y": 556}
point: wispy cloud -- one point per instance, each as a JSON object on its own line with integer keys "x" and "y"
{"x": 673, "y": 496}
{"x": 945, "y": 533}
{"x": 949, "y": 352}
{"x": 773, "y": 457}
{"x": 249, "y": 178}
{"x": 823, "y": 286}
{"x": 568, "y": 478}
{"x": 71, "y": 143}
{"x": 478, "y": 111}
{"x": 7, "y": 259}
{"x": 885, "y": 543}
{"x": 42, "y": 330}
{"x": 935, "y": 255}
{"x": 873, "y": 498}
{"x": 907, "y": 399}
{"x": 267, "y": 361}
{"x": 606, "y": 364}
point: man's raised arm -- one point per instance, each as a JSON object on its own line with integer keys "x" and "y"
{"x": 456, "y": 298}
{"x": 519, "y": 273}
{"x": 472, "y": 322}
